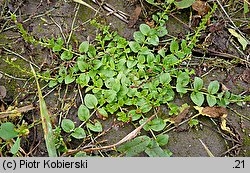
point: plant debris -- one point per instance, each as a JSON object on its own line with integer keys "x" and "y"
{"x": 134, "y": 18}
{"x": 215, "y": 112}
{"x": 201, "y": 7}
{"x": 181, "y": 116}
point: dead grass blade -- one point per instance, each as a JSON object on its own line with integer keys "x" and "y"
{"x": 128, "y": 137}
{"x": 86, "y": 4}
{"x": 206, "y": 148}
{"x": 47, "y": 127}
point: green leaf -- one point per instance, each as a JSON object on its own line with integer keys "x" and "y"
{"x": 197, "y": 98}
{"x": 52, "y": 83}
{"x": 183, "y": 79}
{"x": 145, "y": 29}
{"x": 211, "y": 100}
{"x": 146, "y": 108}
{"x": 79, "y": 133}
{"x": 213, "y": 87}
{"x": 162, "y": 31}
{"x": 82, "y": 65}
{"x": 144, "y": 51}
{"x": 135, "y": 116}
{"x": 110, "y": 95}
{"x": 157, "y": 124}
{"x": 116, "y": 86}
{"x": 95, "y": 128}
{"x": 14, "y": 149}
{"x": 242, "y": 40}
{"x": 91, "y": 51}
{"x": 66, "y": 55}
{"x": 151, "y": 2}
{"x": 83, "y": 80}
{"x": 58, "y": 45}
{"x": 184, "y": 3}
{"x": 83, "y": 113}
{"x": 153, "y": 40}
{"x": 102, "y": 112}
{"x": 131, "y": 63}
{"x": 67, "y": 125}
{"x": 135, "y": 47}
{"x": 247, "y": 98}
{"x": 81, "y": 154}
{"x": 170, "y": 60}
{"x": 46, "y": 121}
{"x": 162, "y": 52}
{"x": 69, "y": 79}
{"x": 84, "y": 47}
{"x": 122, "y": 116}
{"x": 198, "y": 83}
{"x": 139, "y": 37}
{"x": 98, "y": 83}
{"x": 155, "y": 151}
{"x": 90, "y": 101}
{"x": 162, "y": 139}
{"x": 134, "y": 147}
{"x": 97, "y": 64}
{"x": 7, "y": 131}
{"x": 193, "y": 122}
{"x": 246, "y": 9}
{"x": 173, "y": 109}
{"x": 174, "y": 46}
{"x": 181, "y": 89}
{"x": 165, "y": 78}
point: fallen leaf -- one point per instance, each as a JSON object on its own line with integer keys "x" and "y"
{"x": 224, "y": 127}
{"x": 181, "y": 116}
{"x": 201, "y": 7}
{"x": 134, "y": 17}
{"x": 213, "y": 112}
{"x": 242, "y": 40}
{"x": 216, "y": 112}
{"x": 2, "y": 92}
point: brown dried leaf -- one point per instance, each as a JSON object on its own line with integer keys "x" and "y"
{"x": 133, "y": 19}
{"x": 214, "y": 112}
{"x": 2, "y": 92}
{"x": 201, "y": 7}
{"x": 181, "y": 116}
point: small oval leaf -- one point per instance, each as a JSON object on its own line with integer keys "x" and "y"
{"x": 67, "y": 125}
{"x": 83, "y": 113}
{"x": 90, "y": 101}
{"x": 79, "y": 133}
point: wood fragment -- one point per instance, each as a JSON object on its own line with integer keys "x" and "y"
{"x": 17, "y": 111}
